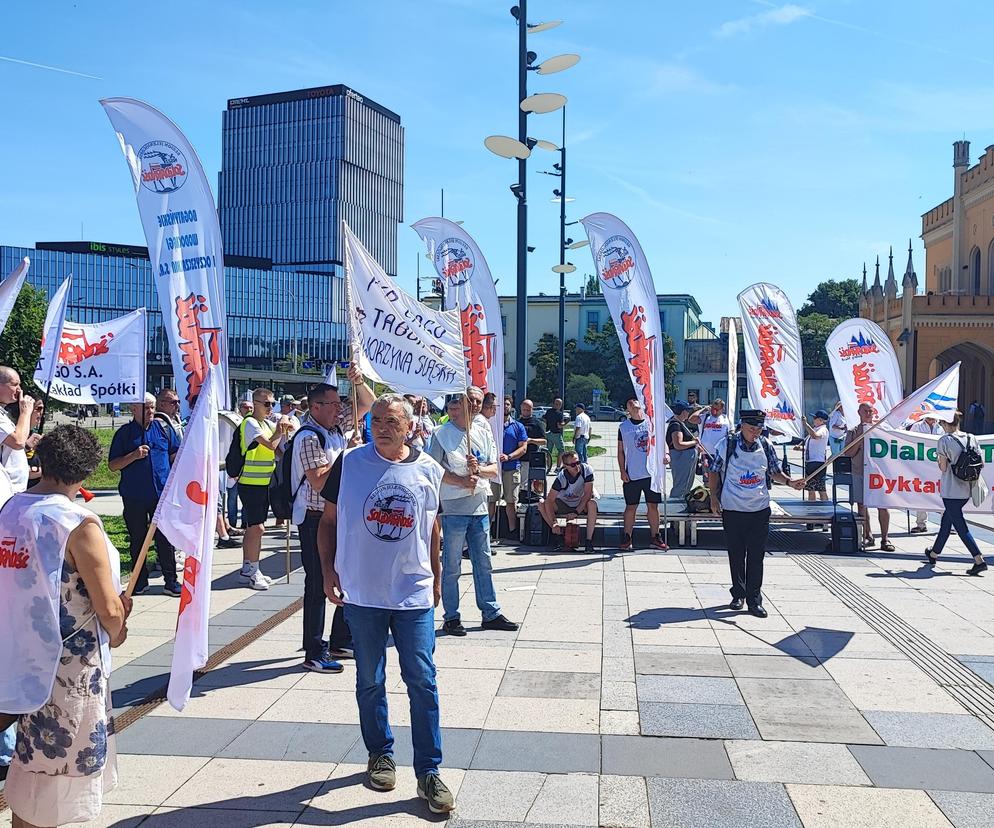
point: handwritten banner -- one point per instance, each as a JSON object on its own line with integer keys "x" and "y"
{"x": 184, "y": 242}
{"x": 396, "y": 339}
{"x": 101, "y": 363}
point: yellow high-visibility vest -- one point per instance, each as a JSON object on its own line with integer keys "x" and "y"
{"x": 260, "y": 461}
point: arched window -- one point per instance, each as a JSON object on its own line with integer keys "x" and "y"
{"x": 990, "y": 269}
{"x": 975, "y": 271}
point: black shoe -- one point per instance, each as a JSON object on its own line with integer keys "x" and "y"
{"x": 589, "y": 547}
{"x": 977, "y": 568}
{"x": 928, "y": 557}
{"x": 454, "y": 627}
{"x": 499, "y": 623}
{"x": 758, "y": 610}
{"x": 737, "y": 604}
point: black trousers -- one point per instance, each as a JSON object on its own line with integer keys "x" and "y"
{"x": 137, "y": 517}
{"x": 745, "y": 535}
{"x": 315, "y": 600}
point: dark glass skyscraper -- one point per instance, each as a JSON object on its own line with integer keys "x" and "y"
{"x": 295, "y": 164}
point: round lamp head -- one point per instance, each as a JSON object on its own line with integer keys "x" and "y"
{"x": 564, "y": 268}
{"x": 543, "y": 27}
{"x": 547, "y": 145}
{"x": 543, "y": 102}
{"x": 557, "y": 199}
{"x": 579, "y": 244}
{"x": 506, "y": 147}
{"x": 557, "y": 64}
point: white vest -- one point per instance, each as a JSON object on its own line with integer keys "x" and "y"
{"x": 744, "y": 486}
{"x": 34, "y": 530}
{"x": 572, "y": 491}
{"x": 386, "y": 512}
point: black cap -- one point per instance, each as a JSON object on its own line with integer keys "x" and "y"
{"x": 752, "y": 416}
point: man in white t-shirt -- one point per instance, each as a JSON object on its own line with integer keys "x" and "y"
{"x": 581, "y": 432}
{"x": 379, "y": 545}
{"x": 815, "y": 455}
{"x": 927, "y": 425}
{"x": 15, "y": 437}
{"x": 714, "y": 428}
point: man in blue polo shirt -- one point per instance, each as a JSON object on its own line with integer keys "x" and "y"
{"x": 142, "y": 451}
{"x": 514, "y": 448}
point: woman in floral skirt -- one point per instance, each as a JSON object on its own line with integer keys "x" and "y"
{"x": 63, "y": 596}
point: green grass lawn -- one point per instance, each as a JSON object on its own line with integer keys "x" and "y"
{"x": 119, "y": 537}
{"x": 102, "y": 477}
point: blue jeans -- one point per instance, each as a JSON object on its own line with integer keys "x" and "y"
{"x": 581, "y": 448}
{"x": 232, "y": 506}
{"x": 414, "y": 637}
{"x": 952, "y": 517}
{"x": 7, "y": 739}
{"x": 457, "y": 532}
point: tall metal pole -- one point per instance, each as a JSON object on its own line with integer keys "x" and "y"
{"x": 521, "y": 330}
{"x": 418, "y": 291}
{"x": 562, "y": 261}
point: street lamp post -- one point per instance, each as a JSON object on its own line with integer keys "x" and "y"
{"x": 520, "y": 149}
{"x": 562, "y": 262}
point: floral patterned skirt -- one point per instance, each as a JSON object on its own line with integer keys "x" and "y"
{"x": 64, "y": 759}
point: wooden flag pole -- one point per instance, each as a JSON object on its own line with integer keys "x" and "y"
{"x": 139, "y": 562}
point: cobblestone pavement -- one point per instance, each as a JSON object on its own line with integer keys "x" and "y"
{"x": 629, "y": 697}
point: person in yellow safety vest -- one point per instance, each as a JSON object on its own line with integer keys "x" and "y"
{"x": 260, "y": 438}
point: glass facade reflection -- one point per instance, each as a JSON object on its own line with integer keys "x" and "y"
{"x": 296, "y": 164}
{"x": 277, "y": 318}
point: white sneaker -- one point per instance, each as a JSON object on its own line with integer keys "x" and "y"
{"x": 259, "y": 581}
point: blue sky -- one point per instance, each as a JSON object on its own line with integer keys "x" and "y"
{"x": 741, "y": 140}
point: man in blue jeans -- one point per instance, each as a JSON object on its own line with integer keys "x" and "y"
{"x": 470, "y": 463}
{"x": 379, "y": 545}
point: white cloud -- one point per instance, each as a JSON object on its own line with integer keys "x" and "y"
{"x": 672, "y": 78}
{"x": 776, "y": 16}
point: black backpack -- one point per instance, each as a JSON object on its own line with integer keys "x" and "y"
{"x": 281, "y": 497}
{"x": 234, "y": 460}
{"x": 969, "y": 464}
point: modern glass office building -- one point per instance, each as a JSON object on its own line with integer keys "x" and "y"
{"x": 296, "y": 164}
{"x": 280, "y": 321}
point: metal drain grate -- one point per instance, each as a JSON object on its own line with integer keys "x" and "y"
{"x": 971, "y": 691}
{"x": 155, "y": 698}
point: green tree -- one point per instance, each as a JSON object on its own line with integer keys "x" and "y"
{"x": 20, "y": 343}
{"x": 669, "y": 366}
{"x": 580, "y": 388}
{"x": 837, "y": 299}
{"x": 606, "y": 359}
{"x": 593, "y": 284}
{"x": 814, "y": 329}
{"x": 544, "y": 386}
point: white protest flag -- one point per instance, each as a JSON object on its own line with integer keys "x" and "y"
{"x": 397, "y": 340}
{"x": 51, "y": 335}
{"x": 865, "y": 367}
{"x": 774, "y": 370}
{"x": 10, "y": 288}
{"x": 99, "y": 363}
{"x": 937, "y": 399}
{"x": 470, "y": 289}
{"x": 184, "y": 242}
{"x": 733, "y": 370}
{"x": 186, "y": 515}
{"x": 630, "y": 294}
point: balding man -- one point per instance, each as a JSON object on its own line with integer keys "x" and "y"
{"x": 167, "y": 410}
{"x": 15, "y": 437}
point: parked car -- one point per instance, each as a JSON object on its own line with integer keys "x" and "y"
{"x": 606, "y": 412}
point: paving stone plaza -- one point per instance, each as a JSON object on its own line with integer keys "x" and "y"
{"x": 630, "y": 696}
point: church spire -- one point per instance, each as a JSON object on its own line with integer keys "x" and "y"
{"x": 865, "y": 288}
{"x": 890, "y": 286}
{"x": 910, "y": 277}
{"x": 877, "y": 287}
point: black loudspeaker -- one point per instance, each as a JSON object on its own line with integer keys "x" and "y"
{"x": 537, "y": 531}
{"x": 845, "y": 535}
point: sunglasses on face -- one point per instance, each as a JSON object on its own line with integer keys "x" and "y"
{"x": 267, "y": 403}
{"x": 571, "y": 465}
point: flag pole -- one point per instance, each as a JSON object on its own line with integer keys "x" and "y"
{"x": 139, "y": 562}
{"x": 288, "y": 551}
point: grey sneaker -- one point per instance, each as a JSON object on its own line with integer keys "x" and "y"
{"x": 432, "y": 789}
{"x": 382, "y": 772}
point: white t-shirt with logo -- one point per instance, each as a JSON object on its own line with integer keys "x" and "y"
{"x": 713, "y": 431}
{"x": 635, "y": 438}
{"x": 14, "y": 461}
{"x": 386, "y": 511}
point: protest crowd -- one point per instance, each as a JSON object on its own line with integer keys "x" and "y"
{"x": 386, "y": 498}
